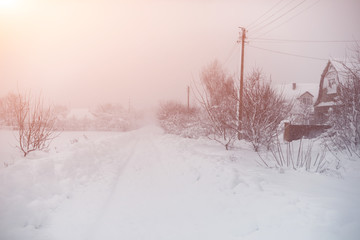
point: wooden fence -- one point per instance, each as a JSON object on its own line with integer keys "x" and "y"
{"x": 295, "y": 132}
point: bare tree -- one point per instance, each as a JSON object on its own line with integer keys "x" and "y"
{"x": 216, "y": 95}
{"x": 3, "y": 113}
{"x": 264, "y": 108}
{"x": 7, "y": 109}
{"x": 345, "y": 117}
{"x": 34, "y": 122}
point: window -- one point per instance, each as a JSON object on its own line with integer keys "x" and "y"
{"x": 331, "y": 82}
{"x": 306, "y": 101}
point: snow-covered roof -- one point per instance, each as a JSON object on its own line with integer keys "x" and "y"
{"x": 338, "y": 64}
{"x": 326, "y": 104}
{"x": 306, "y": 93}
{"x": 80, "y": 113}
{"x": 341, "y": 70}
{"x": 290, "y": 93}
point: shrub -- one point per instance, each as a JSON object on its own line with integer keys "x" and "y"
{"x": 176, "y": 118}
{"x": 264, "y": 108}
{"x": 217, "y": 96}
{"x": 34, "y": 123}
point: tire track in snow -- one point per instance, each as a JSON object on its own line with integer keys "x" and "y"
{"x": 144, "y": 166}
{"x": 114, "y": 183}
{"x": 121, "y": 169}
{"x": 105, "y": 160}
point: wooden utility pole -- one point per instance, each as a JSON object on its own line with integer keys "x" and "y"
{"x": 241, "y": 89}
{"x": 129, "y": 107}
{"x": 188, "y": 99}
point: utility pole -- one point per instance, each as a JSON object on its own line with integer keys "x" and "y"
{"x": 188, "y": 99}
{"x": 129, "y": 107}
{"x": 241, "y": 89}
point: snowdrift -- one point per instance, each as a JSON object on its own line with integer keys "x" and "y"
{"x": 146, "y": 184}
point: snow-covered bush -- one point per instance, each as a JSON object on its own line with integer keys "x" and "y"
{"x": 61, "y": 113}
{"x": 176, "y": 118}
{"x": 2, "y": 112}
{"x": 217, "y": 96}
{"x": 34, "y": 123}
{"x": 264, "y": 108}
{"x": 113, "y": 117}
{"x": 7, "y": 110}
{"x": 105, "y": 117}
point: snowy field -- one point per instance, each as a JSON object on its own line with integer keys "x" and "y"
{"x": 148, "y": 185}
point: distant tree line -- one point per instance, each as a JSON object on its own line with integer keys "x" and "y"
{"x": 37, "y": 123}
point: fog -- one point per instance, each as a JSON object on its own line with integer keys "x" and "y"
{"x": 83, "y": 53}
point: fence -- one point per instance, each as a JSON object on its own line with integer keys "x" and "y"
{"x": 295, "y": 132}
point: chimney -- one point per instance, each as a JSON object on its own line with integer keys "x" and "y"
{"x": 294, "y": 86}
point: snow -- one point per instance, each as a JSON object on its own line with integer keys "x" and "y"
{"x": 290, "y": 93}
{"x": 145, "y": 184}
{"x": 326, "y": 104}
{"x": 340, "y": 68}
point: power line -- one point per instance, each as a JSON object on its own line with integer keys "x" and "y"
{"x": 255, "y": 39}
{"x": 231, "y": 53}
{"x": 264, "y": 14}
{"x": 284, "y": 14}
{"x": 289, "y": 54}
{"x": 269, "y": 17}
{"x": 279, "y": 25}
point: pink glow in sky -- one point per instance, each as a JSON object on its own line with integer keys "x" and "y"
{"x": 84, "y": 53}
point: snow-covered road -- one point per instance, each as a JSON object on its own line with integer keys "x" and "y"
{"x": 147, "y": 185}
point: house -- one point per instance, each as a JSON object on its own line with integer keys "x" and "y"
{"x": 303, "y": 109}
{"x": 306, "y": 99}
{"x": 309, "y": 119}
{"x": 302, "y": 96}
{"x": 333, "y": 74}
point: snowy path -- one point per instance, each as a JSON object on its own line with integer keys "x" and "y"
{"x": 147, "y": 185}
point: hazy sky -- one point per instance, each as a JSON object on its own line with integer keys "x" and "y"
{"x": 81, "y": 53}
